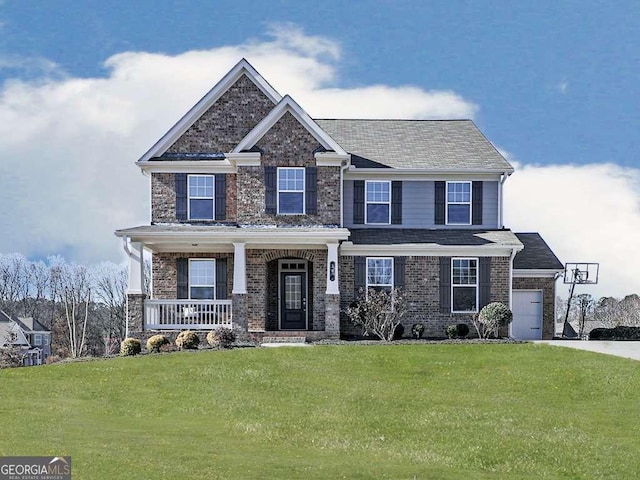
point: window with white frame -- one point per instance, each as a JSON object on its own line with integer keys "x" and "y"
{"x": 202, "y": 279}
{"x": 464, "y": 285}
{"x": 201, "y": 197}
{"x": 380, "y": 273}
{"x": 378, "y": 202}
{"x": 45, "y": 339}
{"x": 291, "y": 190}
{"x": 458, "y": 203}
{"x": 37, "y": 339}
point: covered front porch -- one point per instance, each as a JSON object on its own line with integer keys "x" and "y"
{"x": 278, "y": 282}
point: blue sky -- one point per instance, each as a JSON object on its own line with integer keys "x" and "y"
{"x": 554, "y": 85}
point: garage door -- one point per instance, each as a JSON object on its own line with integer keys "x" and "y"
{"x": 527, "y": 315}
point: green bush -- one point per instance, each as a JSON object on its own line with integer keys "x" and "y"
{"x": 620, "y": 332}
{"x": 130, "y": 346}
{"x": 187, "y": 340}
{"x": 452, "y": 331}
{"x": 221, "y": 338}
{"x": 156, "y": 342}
{"x": 417, "y": 330}
{"x": 462, "y": 330}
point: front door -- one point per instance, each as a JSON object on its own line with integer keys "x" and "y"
{"x": 293, "y": 300}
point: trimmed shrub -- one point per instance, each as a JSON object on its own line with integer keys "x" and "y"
{"x": 187, "y": 340}
{"x": 491, "y": 318}
{"x": 620, "y": 332}
{"x": 417, "y": 330}
{"x": 130, "y": 346}
{"x": 221, "y": 338}
{"x": 398, "y": 332}
{"x": 156, "y": 342}
{"x": 452, "y": 331}
{"x": 462, "y": 330}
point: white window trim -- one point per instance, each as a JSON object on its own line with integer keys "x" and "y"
{"x": 303, "y": 191}
{"x": 367, "y": 202}
{"x": 466, "y": 285}
{"x": 366, "y": 273}
{"x": 213, "y": 198}
{"x": 37, "y": 339}
{"x": 447, "y": 202}
{"x": 196, "y": 285}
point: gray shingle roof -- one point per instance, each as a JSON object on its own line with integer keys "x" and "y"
{"x": 428, "y": 144}
{"x": 536, "y": 254}
{"x": 465, "y": 237}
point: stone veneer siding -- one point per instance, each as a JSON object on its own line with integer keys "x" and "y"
{"x": 163, "y": 198}
{"x": 548, "y": 287}
{"x": 227, "y": 121}
{"x": 165, "y": 275}
{"x": 422, "y": 290}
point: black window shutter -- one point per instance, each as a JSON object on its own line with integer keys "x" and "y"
{"x": 396, "y": 203}
{"x": 440, "y": 190}
{"x": 181, "y": 196}
{"x": 270, "y": 191}
{"x": 476, "y": 202}
{"x": 311, "y": 189}
{"x": 445, "y": 284}
{"x": 221, "y": 196}
{"x": 358, "y": 201}
{"x": 398, "y": 272}
{"x": 221, "y": 279}
{"x": 360, "y": 275}
{"x": 182, "y": 267}
{"x": 485, "y": 281}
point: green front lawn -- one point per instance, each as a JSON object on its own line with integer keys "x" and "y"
{"x": 398, "y": 411}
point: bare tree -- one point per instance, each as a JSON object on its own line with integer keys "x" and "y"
{"x": 110, "y": 292}
{"x": 73, "y": 289}
{"x": 584, "y": 304}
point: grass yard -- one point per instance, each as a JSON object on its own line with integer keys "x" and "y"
{"x": 399, "y": 411}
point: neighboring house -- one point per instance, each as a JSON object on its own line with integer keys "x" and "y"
{"x": 268, "y": 219}
{"x": 29, "y": 335}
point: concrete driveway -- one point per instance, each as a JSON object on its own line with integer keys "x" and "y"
{"x": 619, "y": 349}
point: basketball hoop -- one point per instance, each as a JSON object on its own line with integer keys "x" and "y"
{"x": 585, "y": 273}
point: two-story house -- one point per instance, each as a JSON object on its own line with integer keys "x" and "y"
{"x": 28, "y": 335}
{"x": 267, "y": 219}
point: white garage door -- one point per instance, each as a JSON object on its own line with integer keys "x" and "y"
{"x": 527, "y": 315}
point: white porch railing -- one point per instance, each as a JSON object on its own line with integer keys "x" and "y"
{"x": 187, "y": 314}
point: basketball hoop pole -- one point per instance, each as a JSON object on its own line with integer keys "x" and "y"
{"x": 566, "y": 315}
{"x": 582, "y": 273}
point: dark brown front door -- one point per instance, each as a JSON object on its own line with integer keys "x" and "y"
{"x": 293, "y": 301}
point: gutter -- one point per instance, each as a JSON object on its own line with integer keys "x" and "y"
{"x": 503, "y": 178}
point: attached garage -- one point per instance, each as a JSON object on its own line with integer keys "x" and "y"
{"x": 527, "y": 315}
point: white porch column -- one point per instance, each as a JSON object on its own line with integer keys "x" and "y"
{"x": 136, "y": 269}
{"x": 239, "y": 269}
{"x": 332, "y": 269}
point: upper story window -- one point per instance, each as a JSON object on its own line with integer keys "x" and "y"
{"x": 458, "y": 203}
{"x": 464, "y": 285}
{"x": 380, "y": 273}
{"x": 291, "y": 190}
{"x": 378, "y": 202}
{"x": 37, "y": 339}
{"x": 202, "y": 279}
{"x": 201, "y": 197}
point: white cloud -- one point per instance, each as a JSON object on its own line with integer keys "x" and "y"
{"x": 563, "y": 87}
{"x": 588, "y": 213}
{"x": 67, "y": 177}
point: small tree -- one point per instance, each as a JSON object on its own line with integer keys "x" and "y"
{"x": 11, "y": 355}
{"x": 491, "y": 318}
{"x": 378, "y": 312}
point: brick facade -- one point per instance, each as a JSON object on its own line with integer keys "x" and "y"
{"x": 548, "y": 287}
{"x": 227, "y": 121}
{"x": 422, "y": 291}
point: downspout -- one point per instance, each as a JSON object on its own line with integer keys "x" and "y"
{"x": 503, "y": 178}
{"x": 511, "y": 257}
{"x": 344, "y": 166}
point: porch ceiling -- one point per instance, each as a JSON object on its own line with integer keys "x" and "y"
{"x": 194, "y": 238}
